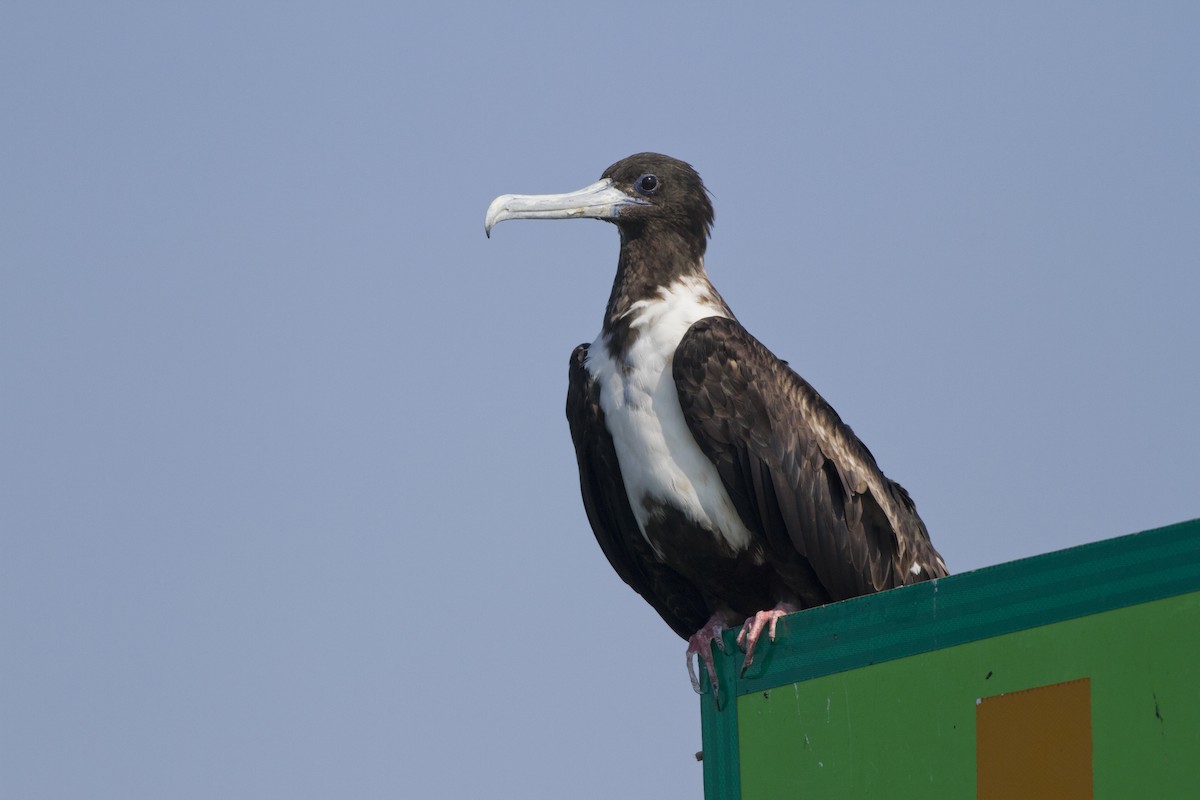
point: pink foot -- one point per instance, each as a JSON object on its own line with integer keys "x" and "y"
{"x": 700, "y": 644}
{"x": 751, "y": 631}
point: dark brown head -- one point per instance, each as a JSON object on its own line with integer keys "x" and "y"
{"x": 675, "y": 197}
{"x": 644, "y": 194}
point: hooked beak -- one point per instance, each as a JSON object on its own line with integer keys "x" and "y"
{"x": 601, "y": 200}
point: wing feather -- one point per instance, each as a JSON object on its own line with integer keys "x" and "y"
{"x": 796, "y": 473}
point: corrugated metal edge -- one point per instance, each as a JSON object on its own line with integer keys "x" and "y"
{"x": 719, "y": 734}
{"x": 988, "y": 602}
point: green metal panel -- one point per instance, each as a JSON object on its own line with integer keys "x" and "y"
{"x": 907, "y": 727}
{"x": 878, "y": 694}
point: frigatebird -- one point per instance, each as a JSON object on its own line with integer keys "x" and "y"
{"x": 720, "y": 485}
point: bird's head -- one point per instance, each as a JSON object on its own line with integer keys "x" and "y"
{"x": 644, "y": 193}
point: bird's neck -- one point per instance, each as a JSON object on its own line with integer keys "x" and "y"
{"x": 648, "y": 265}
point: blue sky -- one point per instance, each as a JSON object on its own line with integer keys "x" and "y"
{"x": 288, "y": 506}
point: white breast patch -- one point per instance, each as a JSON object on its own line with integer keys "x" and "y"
{"x": 658, "y": 456}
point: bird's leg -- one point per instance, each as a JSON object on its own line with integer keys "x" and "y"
{"x": 700, "y": 645}
{"x": 747, "y": 637}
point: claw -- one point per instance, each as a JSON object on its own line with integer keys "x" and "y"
{"x": 700, "y": 644}
{"x": 691, "y": 666}
{"x": 748, "y": 636}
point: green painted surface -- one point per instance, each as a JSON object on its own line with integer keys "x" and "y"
{"x": 906, "y": 728}
{"x": 879, "y": 677}
{"x": 719, "y": 732}
{"x": 975, "y": 605}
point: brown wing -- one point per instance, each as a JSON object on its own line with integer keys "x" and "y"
{"x": 796, "y": 473}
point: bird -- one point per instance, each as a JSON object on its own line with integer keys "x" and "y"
{"x": 719, "y": 484}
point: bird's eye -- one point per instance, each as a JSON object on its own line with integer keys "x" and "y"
{"x": 647, "y": 184}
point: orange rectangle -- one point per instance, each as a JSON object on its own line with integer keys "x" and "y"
{"x": 1035, "y": 744}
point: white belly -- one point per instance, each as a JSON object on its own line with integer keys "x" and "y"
{"x": 659, "y": 458}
